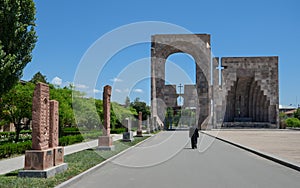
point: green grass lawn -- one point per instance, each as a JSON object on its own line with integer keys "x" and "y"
{"x": 77, "y": 163}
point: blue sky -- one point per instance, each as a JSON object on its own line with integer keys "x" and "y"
{"x": 68, "y": 28}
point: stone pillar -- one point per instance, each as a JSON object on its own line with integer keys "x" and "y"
{"x": 152, "y": 125}
{"x": 53, "y": 128}
{"x": 58, "y": 152}
{"x": 46, "y": 158}
{"x": 40, "y": 117}
{"x": 128, "y": 135}
{"x": 155, "y": 123}
{"x": 139, "y": 132}
{"x": 105, "y": 142}
{"x": 148, "y": 124}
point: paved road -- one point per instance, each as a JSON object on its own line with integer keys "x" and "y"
{"x": 166, "y": 160}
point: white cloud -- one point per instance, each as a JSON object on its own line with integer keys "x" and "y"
{"x": 118, "y": 90}
{"x": 56, "y": 81}
{"x": 81, "y": 86}
{"x": 97, "y": 91}
{"x": 116, "y": 80}
{"x": 138, "y": 91}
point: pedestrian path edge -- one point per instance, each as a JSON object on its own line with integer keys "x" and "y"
{"x": 91, "y": 170}
{"x": 268, "y": 156}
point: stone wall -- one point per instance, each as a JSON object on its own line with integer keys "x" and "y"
{"x": 198, "y": 46}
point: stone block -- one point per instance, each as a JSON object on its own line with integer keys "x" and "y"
{"x": 38, "y": 159}
{"x": 105, "y": 143}
{"x": 50, "y": 172}
{"x": 58, "y": 157}
{"x": 128, "y": 136}
{"x": 139, "y": 133}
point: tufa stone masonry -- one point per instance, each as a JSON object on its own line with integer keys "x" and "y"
{"x": 229, "y": 91}
{"x": 46, "y": 158}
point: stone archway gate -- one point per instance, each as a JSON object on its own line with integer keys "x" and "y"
{"x": 196, "y": 45}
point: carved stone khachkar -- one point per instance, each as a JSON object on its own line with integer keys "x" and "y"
{"x": 232, "y": 92}
{"x": 105, "y": 142}
{"x": 128, "y": 135}
{"x": 46, "y": 158}
{"x": 139, "y": 131}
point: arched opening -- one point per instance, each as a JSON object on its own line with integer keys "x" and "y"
{"x": 246, "y": 102}
{"x": 180, "y": 90}
{"x": 163, "y": 47}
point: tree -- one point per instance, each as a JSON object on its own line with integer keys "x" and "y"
{"x": 17, "y": 40}
{"x": 140, "y": 107}
{"x": 16, "y": 106}
{"x": 39, "y": 77}
{"x": 64, "y": 97}
{"x": 297, "y": 113}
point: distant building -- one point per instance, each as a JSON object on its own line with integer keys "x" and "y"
{"x": 285, "y": 108}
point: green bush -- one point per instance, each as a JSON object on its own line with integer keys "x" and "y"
{"x": 118, "y": 130}
{"x": 92, "y": 135}
{"x": 68, "y": 140}
{"x": 10, "y": 149}
{"x": 292, "y": 122}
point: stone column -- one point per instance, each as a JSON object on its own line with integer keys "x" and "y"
{"x": 105, "y": 141}
{"x": 46, "y": 158}
{"x": 139, "y": 130}
{"x": 58, "y": 152}
{"x": 155, "y": 123}
{"x": 40, "y": 157}
{"x": 128, "y": 135}
{"x": 148, "y": 124}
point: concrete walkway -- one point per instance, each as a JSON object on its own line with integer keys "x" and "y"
{"x": 167, "y": 160}
{"x": 282, "y": 144}
{"x": 8, "y": 165}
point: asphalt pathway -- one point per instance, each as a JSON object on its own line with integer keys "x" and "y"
{"x": 166, "y": 160}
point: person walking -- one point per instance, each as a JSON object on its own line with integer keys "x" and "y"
{"x": 194, "y": 135}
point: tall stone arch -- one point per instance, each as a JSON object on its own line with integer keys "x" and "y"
{"x": 196, "y": 45}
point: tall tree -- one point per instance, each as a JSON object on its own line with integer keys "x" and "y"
{"x": 16, "y": 106}
{"x": 39, "y": 77}
{"x": 140, "y": 106}
{"x": 17, "y": 40}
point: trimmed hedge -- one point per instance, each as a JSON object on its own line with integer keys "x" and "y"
{"x": 118, "y": 130}
{"x": 68, "y": 140}
{"x": 10, "y": 149}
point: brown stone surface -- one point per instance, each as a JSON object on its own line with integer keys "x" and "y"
{"x": 58, "y": 157}
{"x": 105, "y": 141}
{"x": 38, "y": 160}
{"x": 281, "y": 143}
{"x": 40, "y": 117}
{"x": 45, "y": 125}
{"x": 139, "y": 130}
{"x": 54, "y": 123}
{"x": 106, "y": 109}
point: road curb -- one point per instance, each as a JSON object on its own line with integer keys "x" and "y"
{"x": 91, "y": 170}
{"x": 268, "y": 156}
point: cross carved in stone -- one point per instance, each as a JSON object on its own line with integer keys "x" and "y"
{"x": 220, "y": 68}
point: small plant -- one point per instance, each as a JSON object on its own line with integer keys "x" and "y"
{"x": 292, "y": 122}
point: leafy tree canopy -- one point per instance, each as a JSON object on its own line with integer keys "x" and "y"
{"x": 39, "y": 77}
{"x": 17, "y": 40}
{"x": 140, "y": 106}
